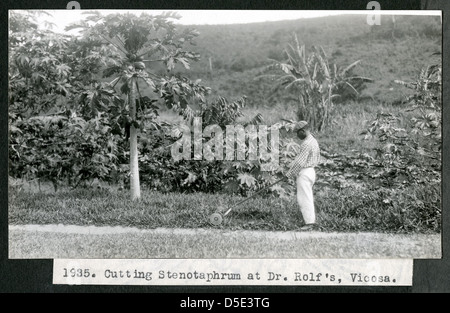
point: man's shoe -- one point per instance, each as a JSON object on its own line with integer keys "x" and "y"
{"x": 308, "y": 227}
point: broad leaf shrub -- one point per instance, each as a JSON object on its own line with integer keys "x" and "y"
{"x": 161, "y": 172}
{"x": 242, "y": 177}
{"x": 413, "y": 152}
{"x": 58, "y": 148}
{"x": 415, "y": 149}
{"x": 49, "y": 141}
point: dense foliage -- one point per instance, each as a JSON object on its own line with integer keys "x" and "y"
{"x": 415, "y": 150}
{"x": 64, "y": 75}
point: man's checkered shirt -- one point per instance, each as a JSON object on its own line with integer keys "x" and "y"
{"x": 309, "y": 156}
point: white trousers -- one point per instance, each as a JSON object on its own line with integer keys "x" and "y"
{"x": 305, "y": 181}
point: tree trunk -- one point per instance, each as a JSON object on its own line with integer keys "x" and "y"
{"x": 210, "y": 69}
{"x": 134, "y": 166}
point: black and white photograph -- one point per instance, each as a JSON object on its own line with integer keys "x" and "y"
{"x": 224, "y": 134}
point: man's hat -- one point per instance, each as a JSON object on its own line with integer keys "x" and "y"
{"x": 299, "y": 125}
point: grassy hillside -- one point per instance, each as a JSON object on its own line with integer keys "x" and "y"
{"x": 232, "y": 56}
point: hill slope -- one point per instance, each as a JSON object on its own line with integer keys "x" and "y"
{"x": 233, "y": 55}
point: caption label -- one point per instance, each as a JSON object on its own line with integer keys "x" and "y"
{"x": 290, "y": 272}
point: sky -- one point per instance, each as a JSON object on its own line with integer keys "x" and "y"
{"x": 62, "y": 18}
{"x": 199, "y": 17}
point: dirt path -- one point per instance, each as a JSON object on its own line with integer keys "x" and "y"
{"x": 105, "y": 230}
{"x": 72, "y": 241}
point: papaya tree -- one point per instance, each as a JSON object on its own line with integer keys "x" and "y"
{"x": 136, "y": 49}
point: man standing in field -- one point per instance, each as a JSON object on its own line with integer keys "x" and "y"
{"x": 302, "y": 170}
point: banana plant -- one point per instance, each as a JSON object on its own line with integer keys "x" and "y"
{"x": 314, "y": 81}
{"x": 130, "y": 48}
